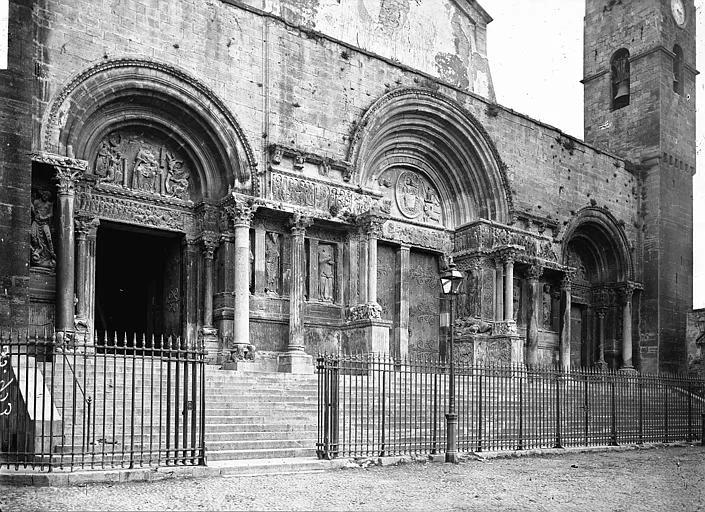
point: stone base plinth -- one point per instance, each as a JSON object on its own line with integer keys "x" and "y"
{"x": 368, "y": 336}
{"x": 295, "y": 362}
{"x": 483, "y": 349}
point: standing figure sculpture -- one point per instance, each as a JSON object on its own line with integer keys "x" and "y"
{"x": 326, "y": 272}
{"x": 146, "y": 171}
{"x": 272, "y": 262}
{"x": 42, "y": 246}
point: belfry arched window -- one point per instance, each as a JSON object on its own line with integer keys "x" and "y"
{"x": 677, "y": 69}
{"x": 620, "y": 78}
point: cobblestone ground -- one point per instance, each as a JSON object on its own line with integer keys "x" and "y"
{"x": 662, "y": 479}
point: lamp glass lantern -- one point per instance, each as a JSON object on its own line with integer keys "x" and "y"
{"x": 451, "y": 280}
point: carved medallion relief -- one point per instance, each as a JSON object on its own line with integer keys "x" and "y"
{"x": 412, "y": 196}
{"x": 143, "y": 161}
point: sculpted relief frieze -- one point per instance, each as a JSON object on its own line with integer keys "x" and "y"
{"x": 122, "y": 209}
{"x": 331, "y": 199}
{"x": 485, "y": 237}
{"x": 417, "y": 236}
{"x": 142, "y": 162}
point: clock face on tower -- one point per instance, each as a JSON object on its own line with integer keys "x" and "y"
{"x": 678, "y": 11}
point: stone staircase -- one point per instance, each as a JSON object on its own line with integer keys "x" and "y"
{"x": 253, "y": 415}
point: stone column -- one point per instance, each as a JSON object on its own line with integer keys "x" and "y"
{"x": 85, "y": 229}
{"x": 566, "y": 305}
{"x": 498, "y": 290}
{"x": 209, "y": 243}
{"x": 535, "y": 303}
{"x": 401, "y": 306}
{"x": 601, "y": 312}
{"x": 626, "y": 295}
{"x": 508, "y": 288}
{"x": 363, "y": 264}
{"x": 241, "y": 214}
{"x": 295, "y": 360}
{"x": 66, "y": 178}
{"x": 223, "y": 311}
{"x": 371, "y": 264}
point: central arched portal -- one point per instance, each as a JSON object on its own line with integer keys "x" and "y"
{"x": 138, "y": 282}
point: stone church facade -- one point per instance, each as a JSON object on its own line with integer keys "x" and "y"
{"x": 289, "y": 177}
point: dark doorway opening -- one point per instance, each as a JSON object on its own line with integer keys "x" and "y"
{"x": 138, "y": 285}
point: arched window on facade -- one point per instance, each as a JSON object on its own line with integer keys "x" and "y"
{"x": 677, "y": 69}
{"x": 620, "y": 79}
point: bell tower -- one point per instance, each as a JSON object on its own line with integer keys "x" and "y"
{"x": 639, "y": 91}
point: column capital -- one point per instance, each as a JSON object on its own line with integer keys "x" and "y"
{"x": 371, "y": 223}
{"x": 535, "y": 272}
{"x": 507, "y": 255}
{"x": 85, "y": 226}
{"x": 240, "y": 212}
{"x": 65, "y": 179}
{"x": 567, "y": 282}
{"x": 601, "y": 312}
{"x": 299, "y": 223}
{"x": 626, "y": 291}
{"x": 209, "y": 242}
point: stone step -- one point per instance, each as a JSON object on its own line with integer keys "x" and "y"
{"x": 258, "y": 419}
{"x": 251, "y": 427}
{"x": 225, "y": 436}
{"x": 264, "y": 453}
{"x": 260, "y": 444}
{"x": 270, "y": 466}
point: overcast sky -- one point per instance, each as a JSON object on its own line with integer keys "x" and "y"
{"x": 536, "y": 59}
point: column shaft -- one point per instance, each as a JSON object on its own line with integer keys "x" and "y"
{"x": 509, "y": 290}
{"x": 65, "y": 276}
{"x": 499, "y": 292}
{"x": 241, "y": 289}
{"x": 535, "y": 304}
{"x": 565, "y": 339}
{"x": 85, "y": 231}
{"x": 371, "y": 268}
{"x": 627, "y": 329}
{"x": 296, "y": 292}
{"x": 601, "y": 338}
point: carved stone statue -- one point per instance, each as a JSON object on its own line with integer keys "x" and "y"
{"x": 326, "y": 272}
{"x": 547, "y": 307}
{"x": 42, "y": 246}
{"x": 146, "y": 171}
{"x": 108, "y": 165}
{"x": 177, "y": 178}
{"x": 272, "y": 266}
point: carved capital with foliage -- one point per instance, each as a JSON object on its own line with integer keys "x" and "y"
{"x": 367, "y": 311}
{"x": 240, "y": 212}
{"x": 567, "y": 282}
{"x": 299, "y": 223}
{"x": 85, "y": 226}
{"x": 534, "y": 272}
{"x": 66, "y": 178}
{"x": 371, "y": 223}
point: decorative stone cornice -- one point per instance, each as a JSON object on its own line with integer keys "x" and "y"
{"x": 298, "y": 224}
{"x": 59, "y": 161}
{"x": 85, "y": 226}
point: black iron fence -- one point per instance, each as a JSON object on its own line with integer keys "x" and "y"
{"x": 372, "y": 405}
{"x": 112, "y": 403}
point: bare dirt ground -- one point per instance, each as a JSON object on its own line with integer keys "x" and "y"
{"x": 660, "y": 479}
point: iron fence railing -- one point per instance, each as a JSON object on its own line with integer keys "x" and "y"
{"x": 117, "y": 402}
{"x": 374, "y": 405}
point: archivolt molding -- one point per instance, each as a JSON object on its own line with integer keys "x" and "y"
{"x": 602, "y": 220}
{"x": 82, "y": 95}
{"x": 474, "y": 169}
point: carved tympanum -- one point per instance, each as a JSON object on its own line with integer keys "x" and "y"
{"x": 415, "y": 197}
{"x": 142, "y": 162}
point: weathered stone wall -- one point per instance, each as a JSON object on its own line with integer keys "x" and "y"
{"x": 695, "y": 337}
{"x": 15, "y": 168}
{"x": 295, "y": 78}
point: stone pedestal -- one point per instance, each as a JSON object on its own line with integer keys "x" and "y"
{"x": 295, "y": 361}
{"x": 370, "y": 336}
{"x": 483, "y": 349}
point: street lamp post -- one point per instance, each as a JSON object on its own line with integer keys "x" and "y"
{"x": 451, "y": 280}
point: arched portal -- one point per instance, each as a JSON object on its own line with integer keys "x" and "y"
{"x": 415, "y": 142}
{"x": 598, "y": 251}
{"x": 163, "y": 152}
{"x": 435, "y": 168}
